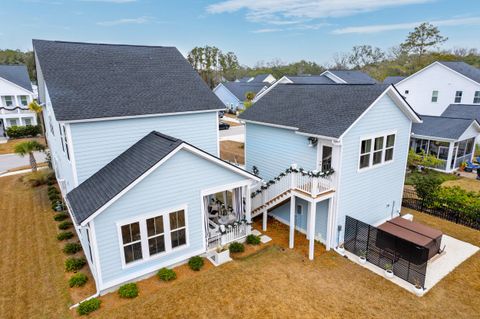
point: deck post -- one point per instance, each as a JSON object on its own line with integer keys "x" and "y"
{"x": 330, "y": 224}
{"x": 311, "y": 229}
{"x": 264, "y": 220}
{"x": 292, "y": 222}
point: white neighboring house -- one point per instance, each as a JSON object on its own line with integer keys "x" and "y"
{"x": 432, "y": 89}
{"x": 15, "y": 95}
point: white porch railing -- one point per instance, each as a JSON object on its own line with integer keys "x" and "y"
{"x": 232, "y": 233}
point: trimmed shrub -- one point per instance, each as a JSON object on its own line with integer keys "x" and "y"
{"x": 64, "y": 225}
{"x": 253, "y": 240}
{"x": 72, "y": 248}
{"x": 60, "y": 216}
{"x": 195, "y": 263}
{"x": 52, "y": 190}
{"x": 88, "y": 306}
{"x": 128, "y": 290}
{"x": 166, "y": 274}
{"x": 78, "y": 280}
{"x": 57, "y": 206}
{"x": 23, "y": 131}
{"x": 54, "y": 197}
{"x": 64, "y": 235}
{"x": 236, "y": 247}
{"x": 73, "y": 264}
{"x": 36, "y": 179}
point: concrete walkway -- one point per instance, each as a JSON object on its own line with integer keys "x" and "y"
{"x": 11, "y": 161}
{"x": 234, "y": 133}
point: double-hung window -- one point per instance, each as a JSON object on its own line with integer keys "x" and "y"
{"x": 9, "y": 100}
{"x": 178, "y": 228}
{"x": 376, "y": 150}
{"x": 434, "y": 96}
{"x": 458, "y": 96}
{"x": 132, "y": 242}
{"x": 23, "y": 100}
{"x": 156, "y": 235}
{"x": 476, "y": 97}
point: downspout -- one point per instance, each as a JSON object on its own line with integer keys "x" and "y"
{"x": 335, "y": 230}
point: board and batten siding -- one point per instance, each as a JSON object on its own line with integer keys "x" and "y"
{"x": 97, "y": 143}
{"x": 272, "y": 150}
{"x": 282, "y": 213}
{"x": 369, "y": 195}
{"x": 178, "y": 181}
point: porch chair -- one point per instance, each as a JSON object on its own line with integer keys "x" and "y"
{"x": 471, "y": 166}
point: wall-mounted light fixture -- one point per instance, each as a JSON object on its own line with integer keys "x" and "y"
{"x": 312, "y": 141}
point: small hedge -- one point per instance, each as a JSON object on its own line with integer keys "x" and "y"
{"x": 64, "y": 235}
{"x": 60, "y": 216}
{"x": 52, "y": 190}
{"x": 195, "y": 263}
{"x": 57, "y": 206}
{"x": 72, "y": 248}
{"x": 88, "y": 306}
{"x": 65, "y": 225}
{"x": 78, "y": 280}
{"x": 73, "y": 264}
{"x": 253, "y": 240}
{"x": 54, "y": 197}
{"x": 128, "y": 290}
{"x": 236, "y": 247}
{"x": 166, "y": 274}
{"x": 23, "y": 131}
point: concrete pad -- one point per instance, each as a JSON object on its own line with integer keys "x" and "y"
{"x": 256, "y": 232}
{"x": 265, "y": 239}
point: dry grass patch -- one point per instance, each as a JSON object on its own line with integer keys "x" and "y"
{"x": 468, "y": 184}
{"x": 9, "y": 147}
{"x": 232, "y": 151}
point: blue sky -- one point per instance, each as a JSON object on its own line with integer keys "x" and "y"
{"x": 256, "y": 30}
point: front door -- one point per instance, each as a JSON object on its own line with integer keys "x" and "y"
{"x": 326, "y": 158}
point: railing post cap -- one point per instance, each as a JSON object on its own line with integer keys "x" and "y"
{"x": 294, "y": 166}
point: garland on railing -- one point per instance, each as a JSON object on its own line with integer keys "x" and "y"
{"x": 292, "y": 170}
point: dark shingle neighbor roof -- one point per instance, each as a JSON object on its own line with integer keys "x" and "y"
{"x": 327, "y": 110}
{"x": 259, "y": 78}
{"x": 441, "y": 127}
{"x": 353, "y": 77}
{"x": 393, "y": 79}
{"x": 463, "y": 111}
{"x": 310, "y": 79}
{"x": 239, "y": 89}
{"x": 464, "y": 69}
{"x": 110, "y": 180}
{"x": 89, "y": 81}
{"x": 17, "y": 74}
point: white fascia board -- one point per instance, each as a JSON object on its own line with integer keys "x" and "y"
{"x": 271, "y": 124}
{"x": 334, "y": 77}
{"x": 433, "y": 138}
{"x": 18, "y": 86}
{"x": 283, "y": 80}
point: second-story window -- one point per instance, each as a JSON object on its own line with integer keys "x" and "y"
{"x": 61, "y": 137}
{"x": 51, "y": 125}
{"x": 376, "y": 150}
{"x": 66, "y": 143}
{"x": 434, "y": 96}
{"x": 9, "y": 100}
{"x": 23, "y": 100}
{"x": 476, "y": 97}
{"x": 458, "y": 96}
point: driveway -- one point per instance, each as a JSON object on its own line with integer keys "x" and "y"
{"x": 234, "y": 133}
{"x": 10, "y": 161}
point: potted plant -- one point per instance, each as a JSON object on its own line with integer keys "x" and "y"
{"x": 388, "y": 270}
{"x": 362, "y": 257}
{"x": 341, "y": 249}
{"x": 417, "y": 287}
{"x": 462, "y": 166}
{"x": 221, "y": 255}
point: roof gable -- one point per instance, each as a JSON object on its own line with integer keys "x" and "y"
{"x": 16, "y": 74}
{"x": 240, "y": 89}
{"x": 351, "y": 76}
{"x": 91, "y": 81}
{"x": 464, "y": 69}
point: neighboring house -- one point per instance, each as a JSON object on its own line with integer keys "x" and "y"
{"x": 139, "y": 198}
{"x": 393, "y": 79}
{"x": 450, "y": 139}
{"x": 15, "y": 95}
{"x": 349, "y": 77}
{"x": 233, "y": 94}
{"x": 260, "y": 78}
{"x": 362, "y": 132}
{"x": 432, "y": 89}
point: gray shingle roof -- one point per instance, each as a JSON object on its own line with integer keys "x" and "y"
{"x": 463, "y": 111}
{"x": 88, "y": 81}
{"x": 353, "y": 77}
{"x": 327, "y": 110}
{"x": 464, "y": 69}
{"x": 310, "y": 79}
{"x": 17, "y": 74}
{"x": 259, "y": 78}
{"x": 239, "y": 89}
{"x": 442, "y": 127}
{"x": 393, "y": 79}
{"x": 110, "y": 180}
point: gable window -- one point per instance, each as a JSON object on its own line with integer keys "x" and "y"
{"x": 476, "y": 97}
{"x": 434, "y": 96}
{"x": 458, "y": 96}
{"x": 178, "y": 229}
{"x": 132, "y": 244}
{"x": 23, "y": 100}
{"x": 9, "y": 100}
{"x": 156, "y": 235}
{"x": 382, "y": 152}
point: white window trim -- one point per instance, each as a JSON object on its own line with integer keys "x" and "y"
{"x": 476, "y": 97}
{"x": 431, "y": 99}
{"x": 372, "y": 138}
{"x": 142, "y": 220}
{"x": 455, "y": 98}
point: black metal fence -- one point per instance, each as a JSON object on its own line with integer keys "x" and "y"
{"x": 411, "y": 200}
{"x": 408, "y": 261}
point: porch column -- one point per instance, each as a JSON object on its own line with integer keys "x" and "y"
{"x": 248, "y": 208}
{"x": 311, "y": 228}
{"x": 292, "y": 222}
{"x": 450, "y": 156}
{"x": 330, "y": 224}
{"x": 264, "y": 220}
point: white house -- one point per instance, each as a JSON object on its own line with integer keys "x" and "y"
{"x": 15, "y": 95}
{"x": 432, "y": 89}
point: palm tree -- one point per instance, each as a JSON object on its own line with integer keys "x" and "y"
{"x": 29, "y": 147}
{"x": 37, "y": 108}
